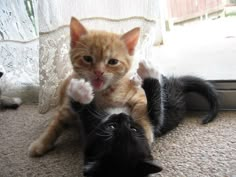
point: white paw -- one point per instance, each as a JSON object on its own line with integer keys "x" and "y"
{"x": 147, "y": 70}
{"x": 37, "y": 148}
{"x": 80, "y": 91}
{"x": 17, "y": 100}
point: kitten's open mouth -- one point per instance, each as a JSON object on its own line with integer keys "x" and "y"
{"x": 98, "y": 83}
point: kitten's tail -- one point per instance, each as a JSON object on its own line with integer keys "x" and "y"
{"x": 207, "y": 90}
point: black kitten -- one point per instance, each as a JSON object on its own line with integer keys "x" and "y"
{"x": 8, "y": 102}
{"x": 115, "y": 146}
{"x": 168, "y": 106}
{"x": 166, "y": 97}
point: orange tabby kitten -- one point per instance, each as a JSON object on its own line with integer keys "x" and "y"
{"x": 103, "y": 59}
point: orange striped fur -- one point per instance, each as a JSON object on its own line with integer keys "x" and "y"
{"x": 115, "y": 89}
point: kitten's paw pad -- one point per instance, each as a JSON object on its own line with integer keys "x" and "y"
{"x": 146, "y": 70}
{"x": 37, "y": 148}
{"x": 80, "y": 91}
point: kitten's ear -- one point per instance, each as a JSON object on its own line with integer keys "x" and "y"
{"x": 76, "y": 30}
{"x": 90, "y": 168}
{"x": 131, "y": 39}
{"x": 149, "y": 167}
{"x": 1, "y": 73}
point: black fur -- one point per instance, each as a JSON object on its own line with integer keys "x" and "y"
{"x": 113, "y": 148}
{"x": 116, "y": 146}
{"x": 171, "y": 94}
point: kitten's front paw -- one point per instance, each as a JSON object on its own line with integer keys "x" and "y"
{"x": 80, "y": 91}
{"x": 146, "y": 70}
{"x": 38, "y": 148}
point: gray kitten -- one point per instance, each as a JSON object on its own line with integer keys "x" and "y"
{"x": 8, "y": 102}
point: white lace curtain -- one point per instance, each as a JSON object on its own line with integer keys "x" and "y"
{"x": 19, "y": 49}
{"x": 53, "y": 19}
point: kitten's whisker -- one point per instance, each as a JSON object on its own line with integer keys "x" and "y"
{"x": 104, "y": 131}
{"x": 91, "y": 133}
{"x": 95, "y": 129}
{"x": 103, "y": 135}
{"x": 96, "y": 113}
{"x": 108, "y": 138}
{"x": 101, "y": 111}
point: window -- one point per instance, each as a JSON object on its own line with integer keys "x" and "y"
{"x": 200, "y": 40}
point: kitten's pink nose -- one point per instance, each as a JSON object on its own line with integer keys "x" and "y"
{"x": 98, "y": 73}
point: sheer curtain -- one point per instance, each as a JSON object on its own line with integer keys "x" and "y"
{"x": 111, "y": 15}
{"x": 48, "y": 69}
{"x": 19, "y": 49}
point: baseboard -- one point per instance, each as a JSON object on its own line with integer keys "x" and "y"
{"x": 227, "y": 95}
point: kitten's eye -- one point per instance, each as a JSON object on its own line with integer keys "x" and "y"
{"x": 111, "y": 126}
{"x": 113, "y": 61}
{"x": 133, "y": 129}
{"x": 88, "y": 59}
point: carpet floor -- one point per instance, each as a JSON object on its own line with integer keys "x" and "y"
{"x": 191, "y": 150}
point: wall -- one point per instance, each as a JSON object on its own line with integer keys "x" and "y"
{"x": 181, "y": 10}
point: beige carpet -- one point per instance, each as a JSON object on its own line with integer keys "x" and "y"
{"x": 192, "y": 150}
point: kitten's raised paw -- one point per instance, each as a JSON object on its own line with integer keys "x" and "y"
{"x": 146, "y": 70}
{"x": 37, "y": 148}
{"x": 80, "y": 91}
